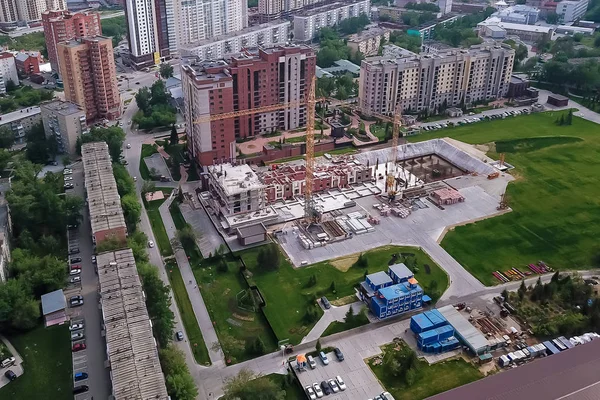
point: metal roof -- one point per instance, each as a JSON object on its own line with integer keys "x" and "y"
{"x": 379, "y": 278}
{"x": 252, "y": 230}
{"x": 103, "y": 198}
{"x": 569, "y": 375}
{"x": 131, "y": 348}
{"x": 401, "y": 271}
{"x": 53, "y": 301}
{"x": 464, "y": 329}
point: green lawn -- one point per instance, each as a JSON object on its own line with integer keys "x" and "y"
{"x": 430, "y": 380}
{"x": 160, "y": 234}
{"x": 378, "y": 130}
{"x": 194, "y": 255}
{"x": 287, "y": 295}
{"x": 147, "y": 151}
{"x": 47, "y": 362}
{"x": 302, "y": 139}
{"x": 555, "y": 199}
{"x": 292, "y": 391}
{"x": 337, "y": 326}
{"x": 233, "y": 324}
{"x": 190, "y": 323}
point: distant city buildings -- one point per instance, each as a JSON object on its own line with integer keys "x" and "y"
{"x": 8, "y": 71}
{"x": 518, "y": 14}
{"x": 250, "y": 80}
{"x": 308, "y": 21}
{"x": 61, "y": 26}
{"x": 142, "y": 33}
{"x": 65, "y": 122}
{"x": 14, "y": 12}
{"x": 494, "y": 28}
{"x": 445, "y": 6}
{"x": 20, "y": 122}
{"x": 571, "y": 10}
{"x": 87, "y": 67}
{"x": 275, "y": 9}
{"x": 368, "y": 41}
{"x": 433, "y": 81}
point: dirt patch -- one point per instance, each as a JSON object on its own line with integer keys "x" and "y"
{"x": 486, "y": 147}
{"x": 251, "y": 146}
{"x": 344, "y": 300}
{"x": 344, "y": 263}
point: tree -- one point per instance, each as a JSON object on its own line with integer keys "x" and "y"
{"x": 569, "y": 120}
{"x": 505, "y": 295}
{"x": 522, "y": 290}
{"x": 350, "y": 315}
{"x": 113, "y": 136}
{"x": 11, "y": 86}
{"x": 7, "y": 137}
{"x": 166, "y": 70}
{"x": 332, "y": 287}
{"x": 38, "y": 148}
{"x": 132, "y": 211}
{"x": 125, "y": 183}
{"x": 248, "y": 386}
{"x": 148, "y": 186}
{"x": 187, "y": 236}
{"x": 18, "y": 310}
{"x": 174, "y": 139}
{"x": 180, "y": 384}
{"x": 318, "y": 345}
{"x": 555, "y": 277}
{"x": 142, "y": 99}
{"x": 158, "y": 302}
{"x": 552, "y": 18}
{"x": 222, "y": 266}
{"x": 43, "y": 274}
{"x": 268, "y": 257}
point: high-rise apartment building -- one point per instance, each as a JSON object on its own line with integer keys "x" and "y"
{"x": 64, "y": 121}
{"x": 275, "y": 9}
{"x": 142, "y": 32}
{"x": 8, "y": 70}
{"x": 87, "y": 67}
{"x": 308, "y": 21}
{"x": 571, "y": 10}
{"x": 431, "y": 81}
{"x": 253, "y": 79}
{"x": 13, "y": 11}
{"x": 9, "y": 12}
{"x": 61, "y": 26}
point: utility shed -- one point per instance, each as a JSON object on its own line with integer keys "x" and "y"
{"x": 53, "y": 308}
{"x": 558, "y": 100}
{"x": 252, "y": 234}
{"x": 465, "y": 331}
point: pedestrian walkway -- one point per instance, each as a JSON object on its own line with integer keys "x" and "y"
{"x": 331, "y": 315}
{"x": 204, "y": 321}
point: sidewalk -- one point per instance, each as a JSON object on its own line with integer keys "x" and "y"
{"x": 331, "y": 315}
{"x": 204, "y": 321}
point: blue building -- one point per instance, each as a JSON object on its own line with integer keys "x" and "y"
{"x": 393, "y": 293}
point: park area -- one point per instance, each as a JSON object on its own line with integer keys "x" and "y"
{"x": 554, "y": 199}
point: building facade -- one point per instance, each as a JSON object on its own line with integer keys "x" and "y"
{"x": 20, "y": 122}
{"x": 142, "y": 33}
{"x": 518, "y": 14}
{"x": 253, "y": 79}
{"x": 571, "y": 10}
{"x": 61, "y": 26}
{"x": 8, "y": 71}
{"x": 308, "y": 21}
{"x": 275, "y": 9}
{"x": 235, "y": 189}
{"x": 264, "y": 35}
{"x": 9, "y": 13}
{"x": 435, "y": 81}
{"x": 368, "y": 41}
{"x": 65, "y": 122}
{"x": 28, "y": 62}
{"x": 88, "y": 71}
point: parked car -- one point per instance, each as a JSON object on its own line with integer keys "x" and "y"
{"x": 387, "y": 396}
{"x": 179, "y": 336}
{"x": 78, "y": 347}
{"x": 68, "y": 178}
{"x": 340, "y": 382}
{"x": 10, "y": 375}
{"x": 74, "y": 250}
{"x": 76, "y": 260}
{"x": 311, "y": 362}
{"x": 333, "y": 385}
{"x": 75, "y": 266}
{"x": 10, "y": 361}
{"x": 310, "y": 392}
{"x": 80, "y": 376}
{"x": 77, "y": 336}
{"x": 150, "y": 243}
{"x": 324, "y": 358}
{"x": 76, "y": 301}
{"x": 318, "y": 390}
{"x": 76, "y": 327}
{"x": 67, "y": 171}
{"x": 75, "y": 279}
{"x": 325, "y": 303}
{"x": 339, "y": 354}
{"x": 75, "y": 272}
{"x": 93, "y": 259}
{"x": 325, "y": 387}
{"x": 80, "y": 389}
{"x": 72, "y": 226}
{"x": 68, "y": 186}
{"x": 128, "y": 145}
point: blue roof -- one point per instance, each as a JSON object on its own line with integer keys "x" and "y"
{"x": 435, "y": 317}
{"x": 426, "y": 298}
{"x": 401, "y": 271}
{"x": 379, "y": 278}
{"x": 53, "y": 301}
{"x": 422, "y": 321}
{"x": 443, "y": 329}
{"x": 398, "y": 290}
{"x": 551, "y": 347}
{"x": 428, "y": 334}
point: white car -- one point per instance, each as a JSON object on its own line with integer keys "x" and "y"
{"x": 68, "y": 178}
{"x": 150, "y": 243}
{"x": 310, "y": 393}
{"x": 75, "y": 327}
{"x": 74, "y": 272}
{"x": 318, "y": 390}
{"x": 67, "y": 171}
{"x": 77, "y": 336}
{"x": 340, "y": 382}
{"x": 128, "y": 145}
{"x": 75, "y": 279}
{"x": 333, "y": 385}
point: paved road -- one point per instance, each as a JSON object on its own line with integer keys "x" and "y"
{"x": 92, "y": 359}
{"x": 329, "y": 316}
{"x": 204, "y": 321}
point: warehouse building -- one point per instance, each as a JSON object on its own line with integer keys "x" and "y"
{"x": 465, "y": 331}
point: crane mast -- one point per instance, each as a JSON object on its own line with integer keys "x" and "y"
{"x": 310, "y": 210}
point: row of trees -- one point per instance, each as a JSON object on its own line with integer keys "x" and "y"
{"x": 333, "y": 48}
{"x": 19, "y": 97}
{"x": 155, "y": 110}
{"x": 340, "y": 87}
{"x": 353, "y": 24}
{"x": 460, "y": 32}
{"x": 410, "y": 43}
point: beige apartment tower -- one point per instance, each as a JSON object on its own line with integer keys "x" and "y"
{"x": 87, "y": 67}
{"x": 66, "y": 122}
{"x": 435, "y": 81}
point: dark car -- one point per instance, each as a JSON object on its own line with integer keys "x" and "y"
{"x": 10, "y": 375}
{"x": 179, "y": 336}
{"x": 325, "y": 303}
{"x": 75, "y": 260}
{"x": 74, "y": 250}
{"x": 80, "y": 389}
{"x": 339, "y": 354}
{"x": 80, "y": 376}
{"x": 326, "y": 388}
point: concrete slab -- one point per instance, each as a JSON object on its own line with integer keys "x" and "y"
{"x": 157, "y": 162}
{"x": 209, "y": 239}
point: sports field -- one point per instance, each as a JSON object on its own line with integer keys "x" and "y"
{"x": 555, "y": 198}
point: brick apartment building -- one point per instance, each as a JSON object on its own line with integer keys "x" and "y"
{"x": 250, "y": 80}
{"x": 88, "y": 71}
{"x": 61, "y": 26}
{"x": 28, "y": 62}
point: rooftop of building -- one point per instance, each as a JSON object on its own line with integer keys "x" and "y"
{"x": 392, "y": 50}
{"x": 62, "y": 107}
{"x": 516, "y": 27}
{"x": 571, "y": 374}
{"x": 6, "y": 55}
{"x": 243, "y": 32}
{"x": 235, "y": 179}
{"x": 474, "y": 338}
{"x": 79, "y": 42}
{"x": 401, "y": 271}
{"x": 321, "y": 8}
{"x": 53, "y": 301}
{"x": 398, "y": 290}
{"x": 104, "y": 201}
{"x": 19, "y": 115}
{"x": 252, "y": 230}
{"x": 131, "y": 347}
{"x": 370, "y": 32}
{"x": 342, "y": 66}
{"x": 24, "y": 55}
{"x": 379, "y": 278}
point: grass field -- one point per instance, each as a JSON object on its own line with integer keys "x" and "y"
{"x": 337, "y": 326}
{"x": 194, "y": 255}
{"x": 430, "y": 379}
{"x": 47, "y": 362}
{"x": 190, "y": 323}
{"x": 287, "y": 295}
{"x": 379, "y": 130}
{"x": 147, "y": 151}
{"x": 160, "y": 234}
{"x": 555, "y": 199}
{"x": 233, "y": 324}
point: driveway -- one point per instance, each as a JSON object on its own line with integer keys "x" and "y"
{"x": 17, "y": 367}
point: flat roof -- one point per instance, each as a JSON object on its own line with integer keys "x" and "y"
{"x": 395, "y": 291}
{"x": 131, "y": 347}
{"x": 252, "y": 230}
{"x": 569, "y": 375}
{"x": 103, "y": 198}
{"x": 246, "y": 31}
{"x": 63, "y": 107}
{"x": 401, "y": 270}
{"x": 19, "y": 115}
{"x": 53, "y": 301}
{"x": 321, "y": 8}
{"x": 495, "y": 21}
{"x": 464, "y": 328}
{"x": 235, "y": 179}
{"x": 558, "y": 96}
{"x": 379, "y": 278}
